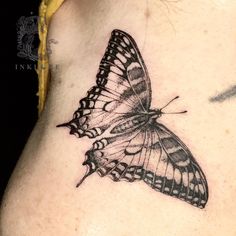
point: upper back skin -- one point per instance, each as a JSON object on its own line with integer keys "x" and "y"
{"x": 189, "y": 48}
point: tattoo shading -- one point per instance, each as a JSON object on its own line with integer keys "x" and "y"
{"x": 227, "y": 94}
{"x": 133, "y": 146}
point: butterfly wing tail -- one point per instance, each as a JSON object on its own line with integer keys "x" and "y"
{"x": 92, "y": 166}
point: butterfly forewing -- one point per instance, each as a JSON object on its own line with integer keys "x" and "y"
{"x": 122, "y": 54}
{"x": 123, "y": 87}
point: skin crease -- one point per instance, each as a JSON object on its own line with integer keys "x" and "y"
{"x": 189, "y": 50}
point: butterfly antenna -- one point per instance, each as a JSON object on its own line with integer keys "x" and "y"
{"x": 179, "y": 112}
{"x": 169, "y": 102}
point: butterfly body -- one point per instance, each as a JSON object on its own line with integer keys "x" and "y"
{"x": 130, "y": 144}
{"x": 136, "y": 121}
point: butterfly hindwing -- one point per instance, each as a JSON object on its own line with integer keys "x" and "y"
{"x": 156, "y": 156}
{"x": 123, "y": 87}
{"x": 183, "y": 177}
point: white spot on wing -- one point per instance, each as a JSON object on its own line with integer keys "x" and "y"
{"x": 98, "y": 130}
{"x": 110, "y": 106}
{"x": 201, "y": 188}
{"x": 82, "y": 120}
{"x": 149, "y": 175}
{"x": 93, "y": 166}
{"x": 197, "y": 175}
{"x": 83, "y": 103}
{"x": 132, "y": 51}
{"x": 185, "y": 179}
{"x": 128, "y": 175}
{"x": 158, "y": 185}
{"x": 80, "y": 131}
{"x": 126, "y": 40}
{"x": 191, "y": 186}
{"x": 128, "y": 55}
{"x": 119, "y": 64}
{"x": 120, "y": 167}
{"x": 116, "y": 70}
{"x": 121, "y": 57}
{"x": 190, "y": 176}
{"x": 123, "y": 44}
{"x": 177, "y": 176}
{"x": 111, "y": 164}
{"x": 175, "y": 191}
{"x": 195, "y": 199}
{"x": 169, "y": 172}
{"x": 116, "y": 174}
{"x": 104, "y": 141}
{"x": 91, "y": 104}
{"x": 86, "y": 112}
{"x": 132, "y": 168}
{"x": 158, "y": 181}
{"x": 120, "y": 49}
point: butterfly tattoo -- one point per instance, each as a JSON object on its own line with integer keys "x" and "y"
{"x": 132, "y": 145}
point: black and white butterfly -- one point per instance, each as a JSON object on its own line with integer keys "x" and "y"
{"x": 133, "y": 145}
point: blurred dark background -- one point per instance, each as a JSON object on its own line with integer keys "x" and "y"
{"x": 18, "y": 90}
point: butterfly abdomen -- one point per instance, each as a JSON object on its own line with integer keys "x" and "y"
{"x": 130, "y": 125}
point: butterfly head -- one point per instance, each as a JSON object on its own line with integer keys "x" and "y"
{"x": 155, "y": 113}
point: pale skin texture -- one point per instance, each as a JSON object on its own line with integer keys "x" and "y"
{"x": 189, "y": 49}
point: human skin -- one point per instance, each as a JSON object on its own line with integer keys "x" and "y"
{"x": 189, "y": 49}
